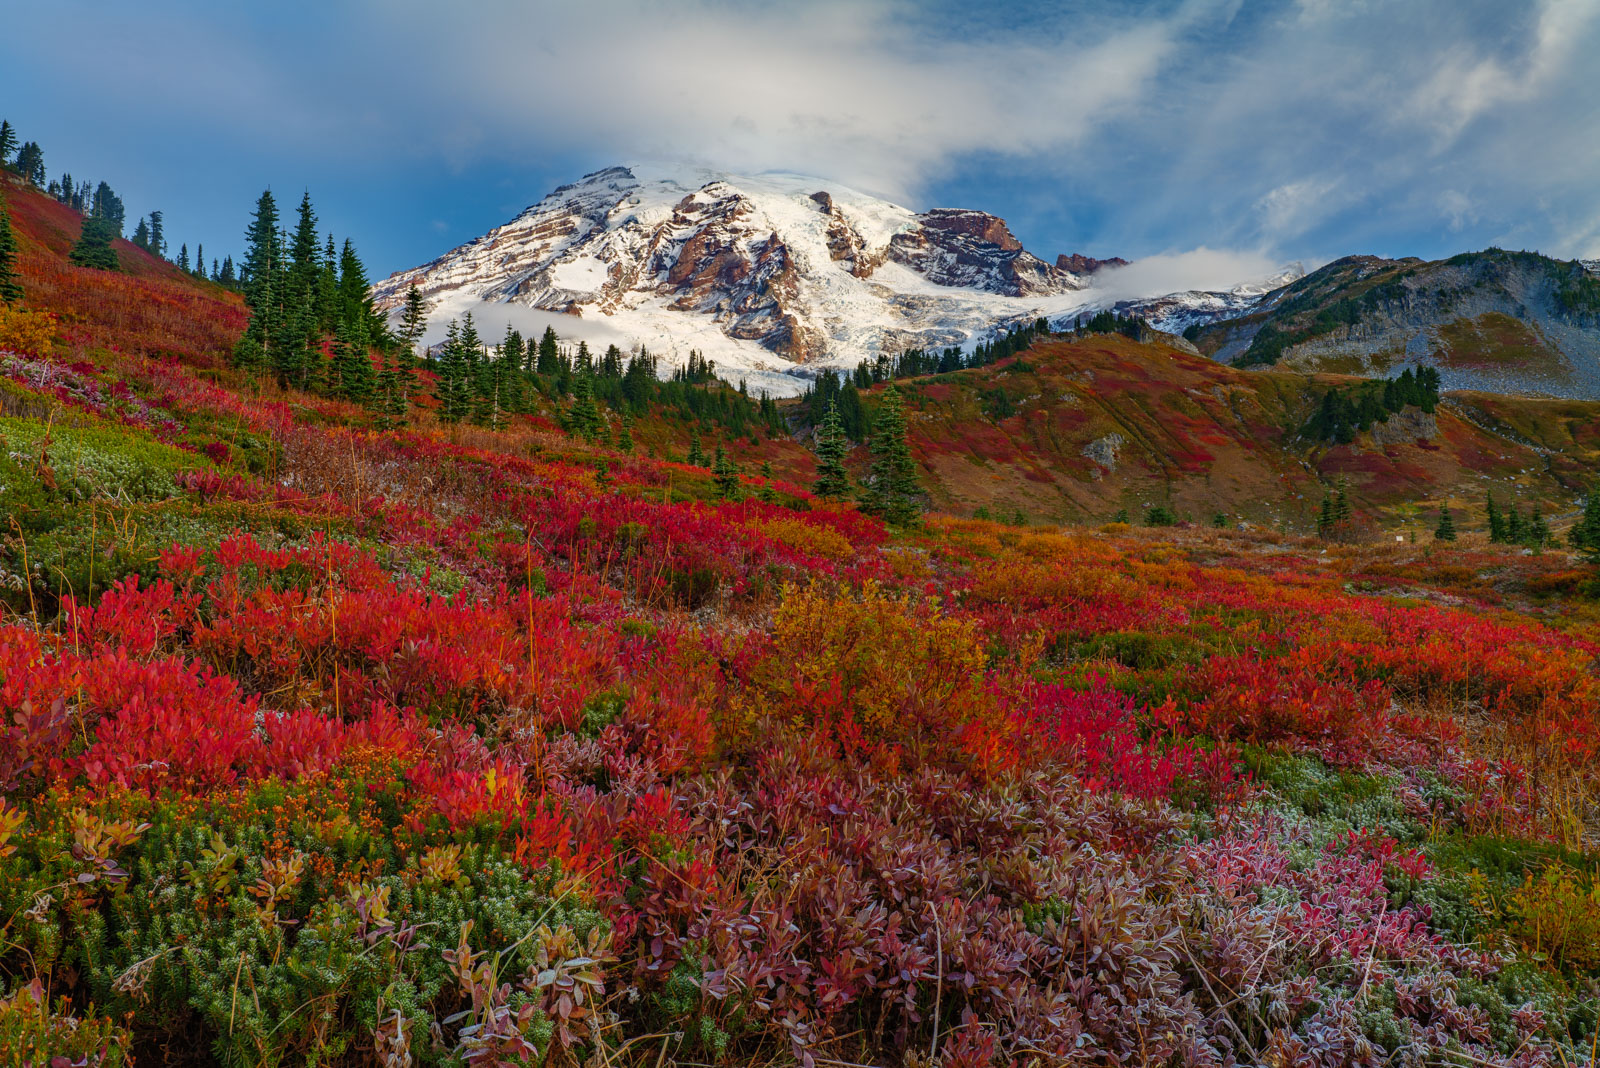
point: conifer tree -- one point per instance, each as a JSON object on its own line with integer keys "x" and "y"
{"x": 10, "y": 287}
{"x": 452, "y": 387}
{"x": 8, "y": 142}
{"x": 625, "y": 434}
{"x": 414, "y": 320}
{"x": 351, "y": 375}
{"x": 892, "y": 492}
{"x": 549, "y": 353}
{"x": 263, "y": 265}
{"x": 93, "y": 248}
{"x": 1585, "y": 533}
{"x": 833, "y": 481}
{"x": 1497, "y": 526}
{"x": 141, "y": 234}
{"x": 726, "y": 474}
{"x": 583, "y": 418}
{"x": 696, "y": 457}
{"x": 1325, "y": 516}
{"x": 30, "y": 164}
{"x": 158, "y": 240}
{"x": 228, "y": 278}
{"x": 1446, "y": 530}
{"x": 199, "y": 261}
{"x": 183, "y": 258}
{"x": 1538, "y": 533}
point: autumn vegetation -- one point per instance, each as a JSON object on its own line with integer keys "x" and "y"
{"x": 440, "y": 743}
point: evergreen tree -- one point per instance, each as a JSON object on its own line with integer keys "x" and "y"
{"x": 1446, "y": 530}
{"x": 414, "y": 320}
{"x": 1497, "y": 526}
{"x": 263, "y": 265}
{"x": 726, "y": 474}
{"x": 351, "y": 375}
{"x": 1325, "y": 516}
{"x": 200, "y": 261}
{"x": 583, "y": 418}
{"x": 183, "y": 257}
{"x": 452, "y": 386}
{"x": 8, "y": 142}
{"x": 10, "y": 288}
{"x": 1585, "y": 533}
{"x": 696, "y": 457}
{"x": 1538, "y": 533}
{"x": 625, "y": 434}
{"x": 355, "y": 293}
{"x": 158, "y": 240}
{"x": 108, "y": 206}
{"x": 892, "y": 492}
{"x": 1220, "y": 521}
{"x": 228, "y": 278}
{"x": 833, "y": 481}
{"x": 216, "y": 270}
{"x": 141, "y": 234}
{"x": 94, "y": 245}
{"x": 549, "y": 353}
{"x": 30, "y": 164}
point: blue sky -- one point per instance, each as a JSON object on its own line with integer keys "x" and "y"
{"x": 1218, "y": 136}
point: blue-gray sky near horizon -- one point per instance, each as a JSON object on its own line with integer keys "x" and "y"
{"x": 1212, "y": 138}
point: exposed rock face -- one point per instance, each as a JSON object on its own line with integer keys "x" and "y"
{"x": 976, "y": 250}
{"x": 1079, "y": 264}
{"x": 1103, "y": 451}
{"x": 1405, "y": 427}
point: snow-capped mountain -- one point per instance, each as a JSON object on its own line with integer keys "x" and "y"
{"x": 771, "y": 276}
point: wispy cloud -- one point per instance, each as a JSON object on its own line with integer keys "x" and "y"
{"x": 1289, "y": 128}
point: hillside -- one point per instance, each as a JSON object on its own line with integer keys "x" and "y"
{"x": 329, "y": 741}
{"x": 1492, "y": 321}
{"x": 1078, "y": 428}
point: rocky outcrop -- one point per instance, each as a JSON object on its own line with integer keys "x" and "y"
{"x": 1405, "y": 427}
{"x": 1103, "y": 451}
{"x": 1079, "y": 264}
{"x": 976, "y": 250}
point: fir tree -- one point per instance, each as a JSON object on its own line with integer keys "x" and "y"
{"x": 1538, "y": 533}
{"x": 141, "y": 234}
{"x": 1325, "y": 516}
{"x": 351, "y": 375}
{"x": 158, "y": 240}
{"x": 228, "y": 278}
{"x": 1585, "y": 533}
{"x": 263, "y": 264}
{"x": 10, "y": 288}
{"x": 183, "y": 257}
{"x": 94, "y": 245}
{"x": 625, "y": 434}
{"x": 30, "y": 164}
{"x": 726, "y": 474}
{"x": 549, "y": 362}
{"x": 833, "y": 481}
{"x": 8, "y": 142}
{"x": 414, "y": 320}
{"x": 1497, "y": 525}
{"x": 893, "y": 491}
{"x": 452, "y": 387}
{"x": 583, "y": 418}
{"x": 200, "y": 261}
{"x": 1446, "y": 530}
{"x": 696, "y": 457}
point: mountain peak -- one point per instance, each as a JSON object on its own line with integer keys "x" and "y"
{"x": 770, "y": 275}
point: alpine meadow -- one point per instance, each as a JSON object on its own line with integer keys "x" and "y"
{"x": 718, "y": 615}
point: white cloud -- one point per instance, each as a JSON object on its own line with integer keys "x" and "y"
{"x": 1176, "y": 272}
{"x": 860, "y": 92}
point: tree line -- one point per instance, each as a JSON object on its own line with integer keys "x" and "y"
{"x": 1348, "y": 410}
{"x": 104, "y": 215}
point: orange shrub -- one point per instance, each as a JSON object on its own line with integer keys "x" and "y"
{"x": 812, "y": 538}
{"x": 25, "y": 331}
{"x": 878, "y": 671}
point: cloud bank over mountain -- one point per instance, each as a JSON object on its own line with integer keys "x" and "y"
{"x": 1286, "y": 130}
